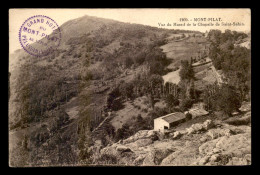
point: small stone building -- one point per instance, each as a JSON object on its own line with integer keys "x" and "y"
{"x": 166, "y": 122}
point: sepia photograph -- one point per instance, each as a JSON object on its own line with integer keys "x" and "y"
{"x": 129, "y": 87}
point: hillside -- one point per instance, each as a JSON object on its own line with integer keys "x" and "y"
{"x": 88, "y": 43}
{"x": 53, "y": 96}
{"x": 212, "y": 142}
{"x": 94, "y": 99}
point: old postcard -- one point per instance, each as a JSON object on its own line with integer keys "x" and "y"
{"x": 129, "y": 87}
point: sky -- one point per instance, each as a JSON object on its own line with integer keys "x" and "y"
{"x": 139, "y": 16}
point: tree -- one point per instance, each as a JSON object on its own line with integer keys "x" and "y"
{"x": 140, "y": 58}
{"x": 53, "y": 125}
{"x": 185, "y": 104}
{"x": 214, "y": 36}
{"x": 25, "y": 142}
{"x": 171, "y": 101}
{"x": 234, "y": 61}
{"x": 186, "y": 72}
{"x": 188, "y": 116}
{"x": 156, "y": 67}
{"x": 122, "y": 133}
{"x": 139, "y": 118}
{"x": 151, "y": 100}
{"x": 155, "y": 82}
{"x": 126, "y": 90}
{"x": 114, "y": 101}
{"x": 62, "y": 116}
{"x": 228, "y": 100}
{"x": 109, "y": 130}
{"x": 208, "y": 95}
{"x": 190, "y": 90}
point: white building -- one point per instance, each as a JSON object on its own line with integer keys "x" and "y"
{"x": 168, "y": 121}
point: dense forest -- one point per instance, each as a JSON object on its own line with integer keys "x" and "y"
{"x": 235, "y": 63}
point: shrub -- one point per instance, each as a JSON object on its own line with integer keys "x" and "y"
{"x": 140, "y": 58}
{"x": 145, "y": 110}
{"x": 128, "y": 62}
{"x": 186, "y": 104}
{"x": 107, "y": 159}
{"x": 188, "y": 116}
{"x": 139, "y": 118}
{"x": 88, "y": 76}
{"x": 126, "y": 90}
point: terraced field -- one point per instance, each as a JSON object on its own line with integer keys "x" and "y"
{"x": 182, "y": 50}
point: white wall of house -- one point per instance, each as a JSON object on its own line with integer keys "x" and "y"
{"x": 159, "y": 124}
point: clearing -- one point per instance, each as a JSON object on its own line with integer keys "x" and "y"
{"x": 138, "y": 106}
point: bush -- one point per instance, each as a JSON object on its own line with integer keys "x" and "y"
{"x": 126, "y": 90}
{"x": 139, "y": 118}
{"x": 140, "y": 59}
{"x": 107, "y": 159}
{"x": 88, "y": 76}
{"x": 186, "y": 104}
{"x": 188, "y": 116}
{"x": 121, "y": 133}
{"x": 145, "y": 110}
{"x": 114, "y": 100}
{"x": 227, "y": 100}
{"x": 158, "y": 112}
{"x": 128, "y": 62}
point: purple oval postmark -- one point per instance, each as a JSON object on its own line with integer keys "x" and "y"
{"x": 40, "y": 35}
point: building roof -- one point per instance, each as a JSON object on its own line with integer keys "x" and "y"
{"x": 173, "y": 117}
{"x": 198, "y": 112}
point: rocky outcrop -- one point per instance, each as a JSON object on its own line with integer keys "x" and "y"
{"x": 182, "y": 156}
{"x": 122, "y": 148}
{"x": 219, "y": 151}
{"x": 156, "y": 156}
{"x": 140, "y": 135}
{"x": 229, "y": 144}
{"x": 216, "y": 133}
{"x": 196, "y": 128}
{"x": 143, "y": 142}
{"x": 245, "y": 120}
{"x": 207, "y": 143}
{"x": 246, "y": 160}
{"x": 246, "y": 106}
{"x": 177, "y": 135}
